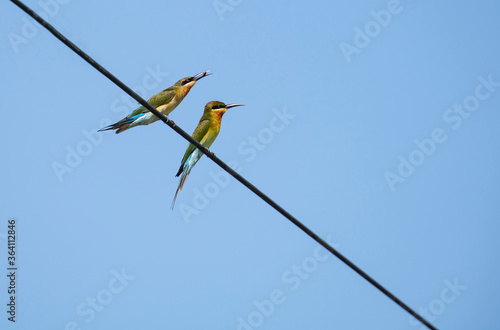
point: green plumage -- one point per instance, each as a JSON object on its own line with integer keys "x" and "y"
{"x": 208, "y": 126}
{"x": 163, "y": 97}
{"x": 205, "y": 133}
{"x": 165, "y": 102}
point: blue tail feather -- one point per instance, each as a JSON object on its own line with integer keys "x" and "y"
{"x": 121, "y": 123}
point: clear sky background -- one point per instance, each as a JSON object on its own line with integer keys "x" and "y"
{"x": 378, "y": 132}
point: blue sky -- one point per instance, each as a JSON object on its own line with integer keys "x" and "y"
{"x": 375, "y": 123}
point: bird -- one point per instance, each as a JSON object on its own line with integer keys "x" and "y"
{"x": 165, "y": 102}
{"x": 206, "y": 132}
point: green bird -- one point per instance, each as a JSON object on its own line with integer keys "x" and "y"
{"x": 165, "y": 102}
{"x": 206, "y": 132}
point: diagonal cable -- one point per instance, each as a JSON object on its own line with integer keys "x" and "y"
{"x": 219, "y": 162}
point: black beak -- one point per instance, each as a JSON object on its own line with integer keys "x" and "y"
{"x": 201, "y": 75}
{"x": 229, "y": 106}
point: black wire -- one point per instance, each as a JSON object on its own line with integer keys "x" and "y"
{"x": 219, "y": 162}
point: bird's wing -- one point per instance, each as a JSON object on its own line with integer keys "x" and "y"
{"x": 156, "y": 100}
{"x": 163, "y": 97}
{"x": 199, "y": 133}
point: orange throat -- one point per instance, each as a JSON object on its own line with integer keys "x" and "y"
{"x": 219, "y": 113}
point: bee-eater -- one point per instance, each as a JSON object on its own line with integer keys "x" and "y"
{"x": 165, "y": 102}
{"x": 206, "y": 132}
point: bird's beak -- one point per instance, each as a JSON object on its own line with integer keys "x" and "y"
{"x": 201, "y": 75}
{"x": 233, "y": 105}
